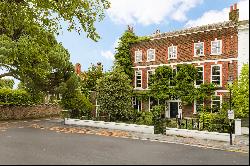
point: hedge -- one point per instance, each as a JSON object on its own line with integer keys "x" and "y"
{"x": 15, "y": 97}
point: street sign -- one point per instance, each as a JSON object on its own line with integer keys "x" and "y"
{"x": 230, "y": 114}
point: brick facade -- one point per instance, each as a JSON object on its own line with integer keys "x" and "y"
{"x": 227, "y": 32}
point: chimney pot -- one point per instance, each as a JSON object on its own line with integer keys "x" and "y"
{"x": 231, "y": 8}
{"x": 235, "y": 6}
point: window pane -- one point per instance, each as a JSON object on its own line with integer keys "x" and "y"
{"x": 153, "y": 102}
{"x": 216, "y": 70}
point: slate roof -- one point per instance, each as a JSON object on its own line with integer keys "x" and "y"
{"x": 203, "y": 28}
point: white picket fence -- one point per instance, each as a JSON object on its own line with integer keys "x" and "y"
{"x": 111, "y": 125}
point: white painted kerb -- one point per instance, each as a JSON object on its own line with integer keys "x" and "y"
{"x": 199, "y": 134}
{"x": 111, "y": 125}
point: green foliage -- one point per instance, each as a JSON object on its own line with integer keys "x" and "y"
{"x": 39, "y": 63}
{"x": 185, "y": 78}
{"x": 114, "y": 94}
{"x": 205, "y": 91}
{"x": 90, "y": 78}
{"x": 123, "y": 53}
{"x": 16, "y": 97}
{"x": 17, "y": 16}
{"x": 160, "y": 83}
{"x": 145, "y": 118}
{"x": 7, "y": 83}
{"x": 240, "y": 93}
{"x": 73, "y": 99}
{"x": 214, "y": 121}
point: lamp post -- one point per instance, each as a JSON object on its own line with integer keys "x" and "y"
{"x": 230, "y": 83}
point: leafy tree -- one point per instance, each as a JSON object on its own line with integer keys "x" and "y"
{"x": 40, "y": 63}
{"x": 114, "y": 94}
{"x": 89, "y": 78}
{"x": 73, "y": 99}
{"x": 123, "y": 53}
{"x": 7, "y": 83}
{"x": 240, "y": 93}
{"x": 18, "y": 16}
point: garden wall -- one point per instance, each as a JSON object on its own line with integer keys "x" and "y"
{"x": 111, "y": 125}
{"x": 26, "y": 112}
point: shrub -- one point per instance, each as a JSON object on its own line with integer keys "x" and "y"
{"x": 114, "y": 94}
{"x": 16, "y": 97}
{"x": 145, "y": 118}
{"x": 74, "y": 100}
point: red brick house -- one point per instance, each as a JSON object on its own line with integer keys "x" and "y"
{"x": 214, "y": 49}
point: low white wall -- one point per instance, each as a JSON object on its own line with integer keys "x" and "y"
{"x": 199, "y": 134}
{"x": 245, "y": 130}
{"x": 111, "y": 125}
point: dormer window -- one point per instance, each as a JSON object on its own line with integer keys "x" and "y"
{"x": 216, "y": 47}
{"x": 138, "y": 56}
{"x": 172, "y": 52}
{"x": 150, "y": 54}
{"x": 199, "y": 49}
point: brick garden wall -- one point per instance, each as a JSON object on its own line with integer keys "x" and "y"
{"x": 27, "y": 112}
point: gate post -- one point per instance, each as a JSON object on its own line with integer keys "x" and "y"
{"x": 237, "y": 126}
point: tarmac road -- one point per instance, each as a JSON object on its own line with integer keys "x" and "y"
{"x": 34, "y": 146}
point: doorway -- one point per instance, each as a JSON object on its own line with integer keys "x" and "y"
{"x": 173, "y": 109}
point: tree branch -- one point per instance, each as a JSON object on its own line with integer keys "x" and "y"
{"x": 6, "y": 74}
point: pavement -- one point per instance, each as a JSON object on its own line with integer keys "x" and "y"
{"x": 49, "y": 141}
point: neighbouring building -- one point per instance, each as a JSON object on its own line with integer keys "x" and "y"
{"x": 217, "y": 50}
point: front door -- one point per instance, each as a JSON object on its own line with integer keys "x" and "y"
{"x": 173, "y": 109}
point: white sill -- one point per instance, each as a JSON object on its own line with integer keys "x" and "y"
{"x": 150, "y": 60}
{"x": 138, "y": 88}
{"x": 199, "y": 55}
{"x": 216, "y": 54}
{"x": 171, "y": 58}
{"x": 138, "y": 62}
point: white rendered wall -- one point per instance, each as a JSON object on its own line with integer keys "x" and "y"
{"x": 243, "y": 46}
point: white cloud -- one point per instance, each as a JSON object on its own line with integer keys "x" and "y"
{"x": 214, "y": 16}
{"x": 108, "y": 55}
{"x": 148, "y": 12}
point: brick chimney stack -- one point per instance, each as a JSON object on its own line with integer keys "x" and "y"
{"x": 78, "y": 68}
{"x": 234, "y": 13}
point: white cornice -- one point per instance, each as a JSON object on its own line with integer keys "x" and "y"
{"x": 192, "y": 62}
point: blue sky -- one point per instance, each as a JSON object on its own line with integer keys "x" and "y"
{"x": 145, "y": 16}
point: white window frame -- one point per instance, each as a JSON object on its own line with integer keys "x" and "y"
{"x": 148, "y": 60}
{"x": 136, "y": 54}
{"x": 174, "y": 47}
{"x": 136, "y": 78}
{"x": 217, "y": 53}
{"x": 202, "y": 75}
{"x": 152, "y": 70}
{"x": 195, "y": 55}
{"x": 216, "y": 100}
{"x": 135, "y": 99}
{"x": 220, "y": 65}
{"x": 195, "y": 109}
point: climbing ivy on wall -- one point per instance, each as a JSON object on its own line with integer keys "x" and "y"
{"x": 123, "y": 54}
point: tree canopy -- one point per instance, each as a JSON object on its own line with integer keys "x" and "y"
{"x": 23, "y": 16}
{"x": 114, "y": 93}
{"x": 37, "y": 62}
{"x": 241, "y": 93}
{"x": 123, "y": 53}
